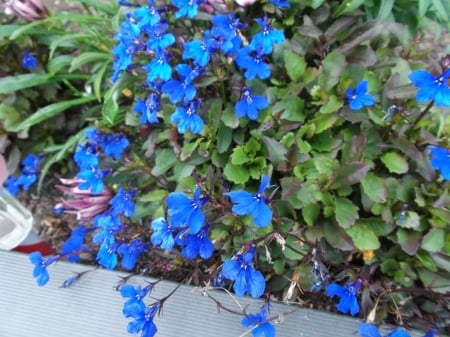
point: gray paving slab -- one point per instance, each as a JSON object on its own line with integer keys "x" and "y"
{"x": 93, "y": 308}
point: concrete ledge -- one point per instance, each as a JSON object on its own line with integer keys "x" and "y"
{"x": 93, "y": 308}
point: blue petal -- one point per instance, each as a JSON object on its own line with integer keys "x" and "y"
{"x": 368, "y": 330}
{"x": 361, "y": 87}
{"x": 421, "y": 78}
{"x": 264, "y": 330}
{"x": 231, "y": 269}
{"x": 240, "y": 284}
{"x": 442, "y": 97}
{"x": 262, "y": 216}
{"x": 255, "y": 282}
{"x": 399, "y": 332}
{"x": 334, "y": 289}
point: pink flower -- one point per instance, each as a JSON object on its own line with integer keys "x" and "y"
{"x": 82, "y": 203}
{"x": 244, "y": 3}
{"x": 29, "y": 10}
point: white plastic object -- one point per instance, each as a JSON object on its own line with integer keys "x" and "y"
{"x": 16, "y": 221}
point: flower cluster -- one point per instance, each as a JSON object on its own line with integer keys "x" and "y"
{"x": 29, "y": 174}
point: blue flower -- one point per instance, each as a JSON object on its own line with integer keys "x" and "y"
{"x": 157, "y": 39}
{"x": 85, "y": 156}
{"x": 130, "y": 252}
{"x": 92, "y": 178}
{"x": 147, "y": 16}
{"x": 30, "y": 170}
{"x": 159, "y": 67}
{"x": 195, "y": 244}
{"x": 148, "y": 108}
{"x": 28, "y": 61}
{"x": 255, "y": 205}
{"x": 11, "y": 185}
{"x": 123, "y": 203}
{"x": 185, "y": 212}
{"x": 359, "y": 97}
{"x": 183, "y": 89}
{"x": 280, "y": 3}
{"x": 114, "y": 145}
{"x": 348, "y": 301}
{"x": 252, "y": 62}
{"x": 187, "y": 8}
{"x": 143, "y": 318}
{"x": 135, "y": 295}
{"x": 264, "y": 40}
{"x": 107, "y": 256}
{"x": 186, "y": 118}
{"x": 370, "y": 330}
{"x": 262, "y": 327}
{"x": 40, "y": 266}
{"x": 432, "y": 87}
{"x": 246, "y": 278}
{"x": 225, "y": 30}
{"x": 198, "y": 51}
{"x": 250, "y": 105}
{"x": 109, "y": 224}
{"x": 75, "y": 243}
{"x": 440, "y": 160}
{"x": 162, "y": 234}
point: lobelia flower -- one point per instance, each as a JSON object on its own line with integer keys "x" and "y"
{"x": 185, "y": 212}
{"x": 109, "y": 224}
{"x": 149, "y": 108}
{"x": 252, "y": 62}
{"x": 30, "y": 170}
{"x": 259, "y": 323}
{"x": 348, "y": 301}
{"x": 280, "y": 3}
{"x": 11, "y": 185}
{"x": 198, "y": 51}
{"x": 91, "y": 179}
{"x": 82, "y": 203}
{"x": 264, "y": 40}
{"x": 440, "y": 160}
{"x": 249, "y": 105}
{"x": 225, "y": 30}
{"x": 162, "y": 234}
{"x": 143, "y": 318}
{"x": 114, "y": 145}
{"x": 85, "y": 156}
{"x": 135, "y": 295}
{"x": 123, "y": 203}
{"x": 130, "y": 252}
{"x": 182, "y": 89}
{"x": 432, "y": 87}
{"x": 246, "y": 278}
{"x": 40, "y": 266}
{"x": 187, "y": 119}
{"x": 255, "y": 205}
{"x": 370, "y": 330}
{"x": 158, "y": 67}
{"x": 106, "y": 255}
{"x": 75, "y": 243}
{"x": 187, "y": 8}
{"x": 195, "y": 244}
{"x": 28, "y": 61}
{"x": 359, "y": 97}
{"x": 158, "y": 39}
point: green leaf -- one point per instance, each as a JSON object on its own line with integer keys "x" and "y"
{"x": 10, "y": 84}
{"x": 347, "y": 6}
{"x": 229, "y": 118}
{"x": 333, "y": 67}
{"x": 436, "y": 281}
{"x": 291, "y": 108}
{"x": 440, "y": 11}
{"x": 374, "y": 187}
{"x": 409, "y": 240}
{"x": 277, "y": 151}
{"x": 310, "y": 214}
{"x": 59, "y": 62}
{"x": 385, "y": 9}
{"x": 324, "y": 122}
{"x": 309, "y": 193}
{"x": 395, "y": 163}
{"x": 433, "y": 241}
{"x": 295, "y": 65}
{"x": 346, "y": 212}
{"x": 337, "y": 237}
{"x": 239, "y": 156}
{"x": 89, "y": 57}
{"x": 224, "y": 137}
{"x": 9, "y": 116}
{"x": 164, "y": 160}
{"x": 50, "y": 111}
{"x": 66, "y": 41}
{"x": 295, "y": 249}
{"x": 154, "y": 195}
{"x": 110, "y": 107}
{"x": 349, "y": 174}
{"x": 236, "y": 173}
{"x": 423, "y": 7}
{"x": 363, "y": 237}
